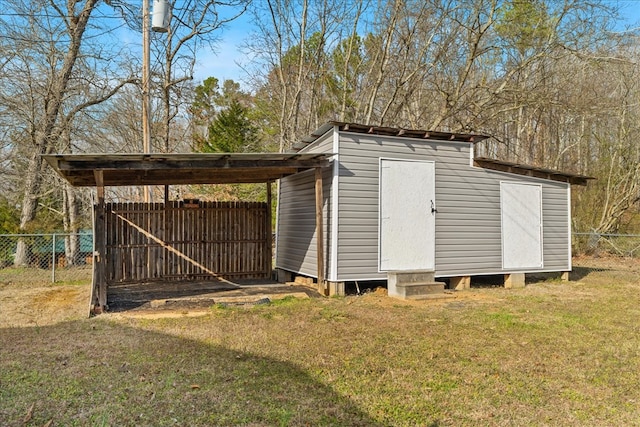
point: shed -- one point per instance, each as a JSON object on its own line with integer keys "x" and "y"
{"x": 413, "y": 206}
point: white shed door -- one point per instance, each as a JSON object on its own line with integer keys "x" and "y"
{"x": 407, "y": 220}
{"x": 521, "y": 225}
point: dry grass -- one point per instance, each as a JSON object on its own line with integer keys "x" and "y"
{"x": 550, "y": 354}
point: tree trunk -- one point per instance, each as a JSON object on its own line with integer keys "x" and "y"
{"x": 44, "y": 139}
{"x": 70, "y": 219}
{"x": 33, "y": 182}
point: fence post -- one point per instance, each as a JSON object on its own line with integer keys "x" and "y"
{"x": 53, "y": 259}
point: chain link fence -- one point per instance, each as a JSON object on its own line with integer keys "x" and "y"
{"x": 596, "y": 244}
{"x": 46, "y": 258}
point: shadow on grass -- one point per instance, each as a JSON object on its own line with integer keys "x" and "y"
{"x": 95, "y": 372}
{"x": 196, "y": 294}
{"x": 579, "y": 273}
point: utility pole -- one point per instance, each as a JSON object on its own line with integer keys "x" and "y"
{"x": 146, "y": 96}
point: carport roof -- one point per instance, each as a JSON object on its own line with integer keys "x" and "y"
{"x": 175, "y": 169}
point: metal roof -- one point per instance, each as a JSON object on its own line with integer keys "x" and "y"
{"x": 388, "y": 131}
{"x": 534, "y": 171}
{"x": 174, "y": 169}
{"x": 483, "y": 162}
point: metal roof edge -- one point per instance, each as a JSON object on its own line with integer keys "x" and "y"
{"x": 534, "y": 171}
{"x": 388, "y": 131}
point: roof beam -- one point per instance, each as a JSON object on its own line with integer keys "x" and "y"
{"x": 220, "y": 163}
{"x": 169, "y": 169}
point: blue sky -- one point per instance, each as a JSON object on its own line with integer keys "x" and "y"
{"x": 226, "y": 62}
{"x": 630, "y": 11}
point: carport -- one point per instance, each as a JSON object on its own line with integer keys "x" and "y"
{"x": 181, "y": 240}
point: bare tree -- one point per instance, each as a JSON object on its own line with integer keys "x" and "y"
{"x": 46, "y": 40}
{"x": 290, "y": 48}
{"x": 550, "y": 81}
{"x": 195, "y": 25}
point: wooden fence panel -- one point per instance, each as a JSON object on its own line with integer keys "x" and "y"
{"x": 146, "y": 241}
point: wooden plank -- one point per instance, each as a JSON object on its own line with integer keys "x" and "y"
{"x": 226, "y": 238}
{"x": 268, "y": 247}
{"x": 205, "y": 213}
{"x": 119, "y": 257}
{"x": 157, "y": 251}
{"x": 99, "y": 294}
{"x": 241, "y": 231}
{"x": 126, "y": 253}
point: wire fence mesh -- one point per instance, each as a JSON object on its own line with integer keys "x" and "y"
{"x": 597, "y": 244}
{"x": 46, "y": 258}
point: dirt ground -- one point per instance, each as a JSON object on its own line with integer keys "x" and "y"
{"x": 23, "y": 305}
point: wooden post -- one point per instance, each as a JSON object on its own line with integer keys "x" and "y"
{"x": 99, "y": 294}
{"x": 269, "y": 232}
{"x": 319, "y": 232}
{"x": 164, "y": 256}
{"x": 146, "y": 91}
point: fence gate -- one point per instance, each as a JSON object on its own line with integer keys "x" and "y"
{"x": 205, "y": 240}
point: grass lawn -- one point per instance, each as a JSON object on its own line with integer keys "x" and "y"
{"x": 552, "y": 354}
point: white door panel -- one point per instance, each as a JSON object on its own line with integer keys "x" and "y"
{"x": 407, "y": 217}
{"x": 521, "y": 206}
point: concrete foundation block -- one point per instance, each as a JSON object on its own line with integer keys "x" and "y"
{"x": 460, "y": 283}
{"x": 402, "y": 277}
{"x": 413, "y": 284}
{"x": 514, "y": 280}
{"x": 303, "y": 280}
{"x": 283, "y": 276}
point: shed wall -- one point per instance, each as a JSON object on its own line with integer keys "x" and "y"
{"x": 296, "y": 248}
{"x": 468, "y": 222}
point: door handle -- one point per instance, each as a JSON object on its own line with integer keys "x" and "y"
{"x": 433, "y": 207}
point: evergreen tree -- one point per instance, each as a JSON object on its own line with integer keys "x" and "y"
{"x": 231, "y": 131}
{"x": 226, "y": 114}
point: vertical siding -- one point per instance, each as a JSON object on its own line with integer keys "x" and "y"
{"x": 358, "y": 194}
{"x": 296, "y": 248}
{"x": 468, "y": 228}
